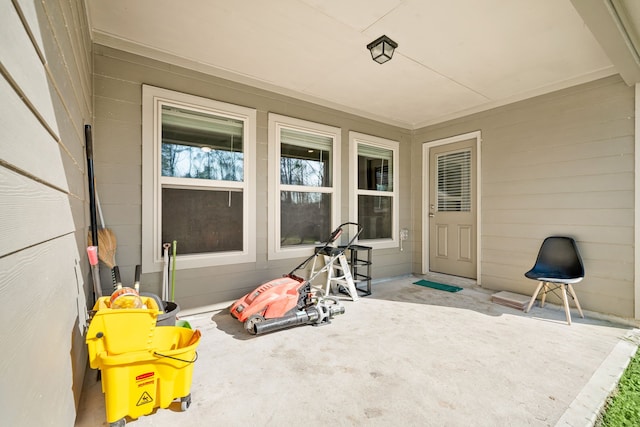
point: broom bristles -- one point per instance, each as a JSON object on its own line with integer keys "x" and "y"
{"x": 107, "y": 244}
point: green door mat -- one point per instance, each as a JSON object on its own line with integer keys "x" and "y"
{"x": 439, "y": 286}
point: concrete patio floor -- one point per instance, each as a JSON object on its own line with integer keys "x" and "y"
{"x": 405, "y": 355}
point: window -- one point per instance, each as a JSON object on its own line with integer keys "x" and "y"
{"x": 454, "y": 181}
{"x": 198, "y": 182}
{"x": 304, "y": 181}
{"x": 374, "y": 189}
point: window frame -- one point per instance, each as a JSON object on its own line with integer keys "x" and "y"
{"x": 276, "y": 123}
{"x": 355, "y": 139}
{"x": 153, "y": 98}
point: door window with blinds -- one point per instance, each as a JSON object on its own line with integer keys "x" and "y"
{"x": 303, "y": 164}
{"x": 202, "y": 182}
{"x": 374, "y": 163}
{"x": 454, "y": 181}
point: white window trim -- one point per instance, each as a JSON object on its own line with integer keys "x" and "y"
{"x": 152, "y": 99}
{"x": 276, "y": 123}
{"x": 356, "y": 138}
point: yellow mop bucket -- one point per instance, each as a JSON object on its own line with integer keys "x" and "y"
{"x": 135, "y": 383}
{"x": 120, "y": 330}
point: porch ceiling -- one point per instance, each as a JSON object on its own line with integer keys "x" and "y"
{"x": 454, "y": 57}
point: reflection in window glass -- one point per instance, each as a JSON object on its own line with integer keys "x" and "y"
{"x": 305, "y": 217}
{"x": 375, "y": 215}
{"x": 375, "y": 168}
{"x": 198, "y": 179}
{"x": 201, "y": 145}
{"x": 305, "y": 159}
{"x": 202, "y": 221}
{"x": 303, "y": 178}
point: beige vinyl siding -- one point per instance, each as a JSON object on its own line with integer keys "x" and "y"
{"x": 45, "y": 87}
{"x": 560, "y": 164}
{"x": 118, "y": 87}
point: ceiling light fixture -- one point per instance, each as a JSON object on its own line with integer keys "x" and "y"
{"x": 382, "y": 49}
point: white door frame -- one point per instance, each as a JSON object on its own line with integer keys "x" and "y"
{"x": 425, "y": 195}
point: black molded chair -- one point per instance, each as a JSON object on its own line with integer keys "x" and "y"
{"x": 558, "y": 265}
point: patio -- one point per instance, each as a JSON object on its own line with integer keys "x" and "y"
{"x": 406, "y": 355}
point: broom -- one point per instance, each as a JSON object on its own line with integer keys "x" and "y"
{"x": 106, "y": 241}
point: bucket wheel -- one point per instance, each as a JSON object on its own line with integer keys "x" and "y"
{"x": 185, "y": 402}
{"x": 251, "y": 322}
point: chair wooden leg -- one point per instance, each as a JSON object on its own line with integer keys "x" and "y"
{"x": 575, "y": 298}
{"x": 566, "y": 303}
{"x": 545, "y": 289}
{"x": 533, "y": 297}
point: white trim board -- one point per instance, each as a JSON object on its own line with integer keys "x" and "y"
{"x": 356, "y": 138}
{"x": 425, "y": 196}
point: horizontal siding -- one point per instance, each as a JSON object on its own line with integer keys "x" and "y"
{"x": 120, "y": 196}
{"x": 559, "y": 164}
{"x": 563, "y": 184}
{"x": 567, "y": 216}
{"x": 603, "y": 168}
{"x": 31, "y": 212}
{"x": 45, "y": 86}
{"x": 38, "y": 333}
{"x": 596, "y": 234}
{"x": 23, "y": 65}
{"x": 67, "y": 19}
{"x": 613, "y": 199}
{"x": 23, "y": 135}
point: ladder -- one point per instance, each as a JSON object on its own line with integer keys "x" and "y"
{"x": 335, "y": 281}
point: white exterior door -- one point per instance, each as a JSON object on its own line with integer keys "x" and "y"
{"x": 452, "y": 209}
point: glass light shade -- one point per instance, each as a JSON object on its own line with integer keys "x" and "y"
{"x": 382, "y": 49}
